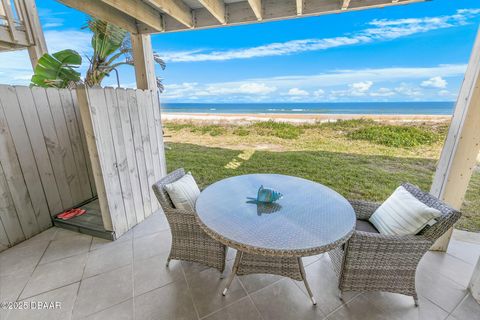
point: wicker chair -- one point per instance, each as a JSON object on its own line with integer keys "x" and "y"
{"x": 189, "y": 241}
{"x": 370, "y": 261}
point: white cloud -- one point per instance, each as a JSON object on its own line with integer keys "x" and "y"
{"x": 408, "y": 90}
{"x": 382, "y": 92}
{"x": 297, "y": 92}
{"x": 435, "y": 82}
{"x": 360, "y": 88}
{"x": 341, "y": 77}
{"x": 272, "y": 49}
{"x": 51, "y": 18}
{"x": 68, "y": 39}
{"x": 331, "y": 82}
{"x": 245, "y": 88}
{"x": 447, "y": 94}
{"x": 193, "y": 89}
{"x": 52, "y": 25}
{"x": 378, "y": 30}
{"x": 181, "y": 90}
{"x": 357, "y": 89}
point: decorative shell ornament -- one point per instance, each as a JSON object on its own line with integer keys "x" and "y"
{"x": 267, "y": 195}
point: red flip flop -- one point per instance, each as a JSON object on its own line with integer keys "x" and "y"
{"x": 79, "y": 212}
{"x": 71, "y": 214}
{"x": 65, "y": 213}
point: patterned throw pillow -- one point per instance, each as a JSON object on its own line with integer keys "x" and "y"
{"x": 183, "y": 192}
{"x": 403, "y": 214}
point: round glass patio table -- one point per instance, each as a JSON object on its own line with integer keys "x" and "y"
{"x": 309, "y": 219}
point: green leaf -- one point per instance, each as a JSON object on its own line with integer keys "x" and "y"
{"x": 68, "y": 57}
{"x": 111, "y": 48}
{"x": 56, "y": 70}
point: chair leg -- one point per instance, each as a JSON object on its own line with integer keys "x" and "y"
{"x": 169, "y": 256}
{"x": 340, "y": 296}
{"x": 415, "y": 299}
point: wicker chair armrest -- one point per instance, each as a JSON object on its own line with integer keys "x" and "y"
{"x": 368, "y": 238}
{"x": 364, "y": 209}
{"x": 180, "y": 212}
{"x": 382, "y": 254}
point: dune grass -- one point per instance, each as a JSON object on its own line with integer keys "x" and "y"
{"x": 368, "y": 130}
{"x": 351, "y": 136}
{"x": 277, "y": 129}
{"x": 369, "y": 168}
{"x": 396, "y": 136}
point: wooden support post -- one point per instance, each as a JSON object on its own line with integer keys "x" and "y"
{"x": 32, "y": 22}
{"x": 146, "y": 79}
{"x": 459, "y": 154}
{"x": 143, "y": 61}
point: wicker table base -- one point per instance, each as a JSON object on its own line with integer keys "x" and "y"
{"x": 291, "y": 267}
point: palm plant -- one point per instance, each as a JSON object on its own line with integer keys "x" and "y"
{"x": 111, "y": 49}
{"x": 110, "y": 43}
{"x": 57, "y": 70}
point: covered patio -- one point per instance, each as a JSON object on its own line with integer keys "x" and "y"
{"x": 94, "y": 278}
{"x": 85, "y": 277}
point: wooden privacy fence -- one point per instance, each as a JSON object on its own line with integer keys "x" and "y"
{"x": 125, "y": 143}
{"x": 44, "y": 165}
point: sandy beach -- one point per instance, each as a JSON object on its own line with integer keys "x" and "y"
{"x": 299, "y": 118}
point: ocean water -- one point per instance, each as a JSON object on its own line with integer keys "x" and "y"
{"x": 430, "y": 108}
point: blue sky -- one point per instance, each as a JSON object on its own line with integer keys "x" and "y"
{"x": 415, "y": 52}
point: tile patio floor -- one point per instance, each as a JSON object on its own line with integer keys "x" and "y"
{"x": 127, "y": 279}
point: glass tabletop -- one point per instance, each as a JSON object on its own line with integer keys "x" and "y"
{"x": 309, "y": 219}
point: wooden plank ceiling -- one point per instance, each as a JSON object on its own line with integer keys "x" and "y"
{"x": 156, "y": 16}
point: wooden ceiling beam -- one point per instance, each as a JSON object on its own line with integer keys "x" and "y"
{"x": 299, "y": 7}
{"x": 177, "y": 16}
{"x": 216, "y": 8}
{"x": 176, "y": 9}
{"x": 104, "y": 12}
{"x": 256, "y": 6}
{"x": 140, "y": 11}
{"x": 345, "y": 4}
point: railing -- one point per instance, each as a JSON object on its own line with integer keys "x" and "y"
{"x": 17, "y": 23}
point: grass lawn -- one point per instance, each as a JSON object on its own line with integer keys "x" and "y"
{"x": 359, "y": 159}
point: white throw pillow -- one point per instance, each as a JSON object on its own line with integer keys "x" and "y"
{"x": 183, "y": 192}
{"x": 403, "y": 214}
